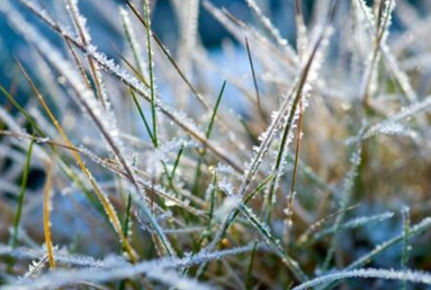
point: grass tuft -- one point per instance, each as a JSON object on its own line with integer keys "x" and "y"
{"x": 179, "y": 165}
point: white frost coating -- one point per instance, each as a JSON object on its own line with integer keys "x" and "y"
{"x": 171, "y": 197}
{"x": 393, "y": 128}
{"x": 263, "y": 229}
{"x": 205, "y": 256}
{"x": 267, "y": 137}
{"x": 386, "y": 18}
{"x": 230, "y": 203}
{"x": 35, "y": 267}
{"x": 59, "y": 278}
{"x": 179, "y": 117}
{"x": 62, "y": 278}
{"x": 271, "y": 28}
{"x": 177, "y": 280}
{"x": 348, "y": 184}
{"x": 355, "y": 223}
{"x": 360, "y": 221}
{"x": 185, "y": 231}
{"x": 89, "y": 104}
{"x": 399, "y": 74}
{"x": 63, "y": 257}
{"x": 211, "y": 187}
{"x": 417, "y": 229}
{"x": 224, "y": 169}
{"x": 272, "y": 242}
{"x": 153, "y": 158}
{"x": 224, "y": 213}
{"x": 301, "y": 39}
{"x": 146, "y": 184}
{"x": 227, "y": 171}
{"x": 411, "y": 276}
{"x": 188, "y": 12}
{"x": 145, "y": 226}
{"x": 120, "y": 73}
{"x": 134, "y": 43}
{"x": 80, "y": 23}
{"x": 368, "y": 13}
{"x": 85, "y": 96}
{"x": 110, "y": 65}
{"x": 370, "y": 79}
{"x": 15, "y": 127}
{"x": 311, "y": 77}
{"x": 391, "y": 61}
{"x": 401, "y": 115}
{"x": 362, "y": 41}
{"x": 239, "y": 29}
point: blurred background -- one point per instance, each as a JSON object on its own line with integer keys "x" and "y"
{"x": 103, "y": 21}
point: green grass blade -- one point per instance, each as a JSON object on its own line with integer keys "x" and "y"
{"x": 214, "y": 113}
{"x": 26, "y": 115}
{"x": 22, "y": 195}
{"x": 177, "y": 161}
{"x": 150, "y": 70}
{"x": 142, "y": 115}
{"x": 207, "y": 135}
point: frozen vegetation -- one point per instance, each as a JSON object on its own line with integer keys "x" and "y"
{"x": 274, "y": 163}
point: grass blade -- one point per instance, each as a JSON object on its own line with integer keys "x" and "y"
{"x": 22, "y": 194}
{"x": 47, "y": 208}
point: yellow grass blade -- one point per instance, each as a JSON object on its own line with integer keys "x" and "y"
{"x": 107, "y": 206}
{"x": 47, "y": 207}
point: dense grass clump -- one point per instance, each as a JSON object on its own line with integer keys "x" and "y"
{"x": 282, "y": 166}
